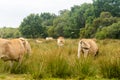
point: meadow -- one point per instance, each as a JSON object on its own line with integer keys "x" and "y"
{"x": 50, "y": 62}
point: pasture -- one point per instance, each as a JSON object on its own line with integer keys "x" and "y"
{"x": 51, "y": 62}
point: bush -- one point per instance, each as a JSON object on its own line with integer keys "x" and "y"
{"x": 112, "y": 31}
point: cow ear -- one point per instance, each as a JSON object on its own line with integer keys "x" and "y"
{"x": 23, "y": 41}
{"x": 94, "y": 39}
{"x": 85, "y": 44}
{"x": 82, "y": 43}
{"x": 26, "y": 44}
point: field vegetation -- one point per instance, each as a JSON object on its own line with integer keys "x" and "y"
{"x": 50, "y": 62}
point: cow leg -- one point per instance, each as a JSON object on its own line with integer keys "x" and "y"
{"x": 79, "y": 50}
{"x": 85, "y": 52}
{"x": 11, "y": 65}
{"x": 20, "y": 59}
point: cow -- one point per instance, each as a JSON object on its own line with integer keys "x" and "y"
{"x": 38, "y": 41}
{"x": 60, "y": 41}
{"x": 14, "y": 49}
{"x": 87, "y": 46}
{"x": 49, "y": 38}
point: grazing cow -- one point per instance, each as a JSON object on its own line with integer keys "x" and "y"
{"x": 87, "y": 46}
{"x": 60, "y": 41}
{"x": 49, "y": 38}
{"x": 38, "y": 41}
{"x": 14, "y": 49}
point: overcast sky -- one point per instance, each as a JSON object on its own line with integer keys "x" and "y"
{"x": 12, "y": 12}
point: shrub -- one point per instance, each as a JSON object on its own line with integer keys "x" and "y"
{"x": 111, "y": 31}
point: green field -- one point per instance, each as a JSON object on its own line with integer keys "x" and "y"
{"x": 50, "y": 62}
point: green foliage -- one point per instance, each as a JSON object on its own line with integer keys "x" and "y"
{"x": 111, "y": 6}
{"x": 105, "y": 15}
{"x": 105, "y": 19}
{"x": 50, "y": 31}
{"x": 9, "y": 32}
{"x": 80, "y": 21}
{"x": 83, "y": 20}
{"x": 87, "y": 32}
{"x": 89, "y": 14}
{"x": 47, "y": 19}
{"x": 31, "y": 26}
{"x": 98, "y": 27}
{"x": 79, "y": 15}
{"x": 61, "y": 24}
{"x": 112, "y": 31}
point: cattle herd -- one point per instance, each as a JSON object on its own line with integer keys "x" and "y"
{"x": 15, "y": 49}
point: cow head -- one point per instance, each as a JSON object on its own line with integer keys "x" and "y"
{"x": 85, "y": 47}
{"x": 26, "y": 45}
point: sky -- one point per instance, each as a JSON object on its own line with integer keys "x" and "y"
{"x": 12, "y": 12}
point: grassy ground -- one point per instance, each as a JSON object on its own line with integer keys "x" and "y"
{"x": 14, "y": 77}
{"x": 50, "y": 62}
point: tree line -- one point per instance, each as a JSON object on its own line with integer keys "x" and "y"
{"x": 100, "y": 19}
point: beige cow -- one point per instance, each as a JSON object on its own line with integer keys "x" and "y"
{"x": 87, "y": 46}
{"x": 38, "y": 41}
{"x": 14, "y": 49}
{"x": 60, "y": 41}
{"x": 49, "y": 38}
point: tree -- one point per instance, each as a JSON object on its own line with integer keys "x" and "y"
{"x": 105, "y": 19}
{"x": 105, "y": 15}
{"x": 112, "y": 6}
{"x": 61, "y": 23}
{"x": 8, "y": 32}
{"x": 47, "y": 19}
{"x": 31, "y": 26}
{"x": 50, "y": 31}
{"x": 79, "y": 16}
{"x": 112, "y": 31}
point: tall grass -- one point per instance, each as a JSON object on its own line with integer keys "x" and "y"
{"x": 48, "y": 61}
{"x": 110, "y": 67}
{"x": 109, "y": 58}
{"x": 83, "y": 68}
{"x": 57, "y": 66}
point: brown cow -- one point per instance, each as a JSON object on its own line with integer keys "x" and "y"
{"x": 87, "y": 46}
{"x": 14, "y": 49}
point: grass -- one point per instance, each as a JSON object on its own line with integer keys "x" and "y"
{"x": 110, "y": 68}
{"x": 50, "y": 62}
{"x": 15, "y": 77}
